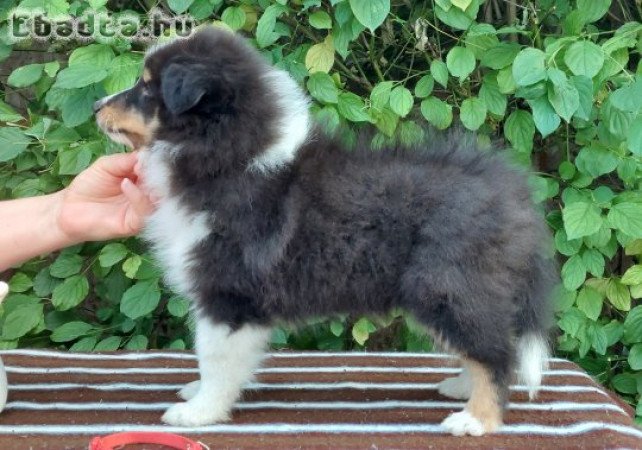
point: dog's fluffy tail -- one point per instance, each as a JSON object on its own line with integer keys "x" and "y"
{"x": 532, "y": 361}
{"x": 4, "y": 290}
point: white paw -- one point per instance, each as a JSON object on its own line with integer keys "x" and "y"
{"x": 462, "y": 423}
{"x": 457, "y": 387}
{"x": 190, "y": 390}
{"x": 195, "y": 413}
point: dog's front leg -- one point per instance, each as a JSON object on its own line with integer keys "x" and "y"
{"x": 227, "y": 359}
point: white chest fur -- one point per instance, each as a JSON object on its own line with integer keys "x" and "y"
{"x": 173, "y": 230}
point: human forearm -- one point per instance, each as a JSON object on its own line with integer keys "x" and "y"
{"x": 30, "y": 227}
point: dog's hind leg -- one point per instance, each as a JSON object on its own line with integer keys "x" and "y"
{"x": 484, "y": 410}
{"x": 227, "y": 359}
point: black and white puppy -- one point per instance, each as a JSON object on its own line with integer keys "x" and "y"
{"x": 263, "y": 217}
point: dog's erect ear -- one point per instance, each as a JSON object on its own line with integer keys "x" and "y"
{"x": 183, "y": 87}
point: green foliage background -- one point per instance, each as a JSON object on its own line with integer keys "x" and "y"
{"x": 557, "y": 80}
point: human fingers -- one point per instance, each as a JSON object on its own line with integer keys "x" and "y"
{"x": 118, "y": 165}
{"x": 141, "y": 205}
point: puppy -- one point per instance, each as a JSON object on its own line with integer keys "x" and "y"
{"x": 264, "y": 217}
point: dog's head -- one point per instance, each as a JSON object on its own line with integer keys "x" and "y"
{"x": 209, "y": 87}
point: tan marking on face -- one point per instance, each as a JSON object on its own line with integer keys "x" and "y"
{"x": 484, "y": 403}
{"x": 147, "y": 75}
{"x": 128, "y": 123}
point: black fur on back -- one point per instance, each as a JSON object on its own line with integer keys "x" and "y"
{"x": 442, "y": 230}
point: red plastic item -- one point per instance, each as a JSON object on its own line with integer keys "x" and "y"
{"x": 112, "y": 441}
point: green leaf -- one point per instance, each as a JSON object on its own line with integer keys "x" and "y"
{"x": 320, "y": 20}
{"x": 97, "y": 56}
{"x": 77, "y": 77}
{"x": 178, "y": 306}
{"x": 137, "y": 342}
{"x": 66, "y": 265}
{"x": 85, "y": 344}
{"x": 43, "y": 283}
{"x": 425, "y": 86}
{"x": 25, "y": 75}
{"x": 361, "y": 330}
{"x": 12, "y": 143}
{"x": 456, "y": 18}
{"x": 21, "y": 321}
{"x": 500, "y": 56}
{"x": 473, "y": 113}
{"x": 584, "y": 88}
{"x": 529, "y": 67}
{"x": 74, "y": 160}
{"x": 322, "y": 87}
{"x": 618, "y": 294}
{"x": 628, "y": 98}
{"x": 70, "y": 331}
{"x": 567, "y": 247}
{"x": 111, "y": 254}
{"x": 179, "y": 6}
{"x": 8, "y": 114}
{"x": 544, "y": 115}
{"x": 633, "y": 326}
{"x": 593, "y": 10}
{"x": 380, "y": 95}
{"x": 584, "y": 58}
{"x": 386, "y": 121}
{"x": 53, "y": 8}
{"x": 635, "y": 357}
{"x": 70, "y": 292}
{"x": 589, "y": 301}
{"x": 265, "y": 34}
{"x": 234, "y": 17}
{"x": 594, "y": 262}
{"x": 401, "y": 101}
{"x": 461, "y": 4}
{"x": 20, "y": 282}
{"x": 140, "y": 299}
{"x": 564, "y": 98}
{"x": 336, "y": 328}
{"x": 124, "y": 70}
{"x": 439, "y": 71}
{"x": 351, "y": 107}
{"x": 519, "y": 129}
{"x": 573, "y": 272}
{"x": 460, "y": 62}
{"x": 320, "y": 57}
{"x": 328, "y": 117}
{"x": 596, "y": 161}
{"x": 371, "y": 13}
{"x": 633, "y": 275}
{"x": 634, "y": 136}
{"x": 614, "y": 331}
{"x": 109, "y": 344}
{"x": 625, "y": 383}
{"x": 131, "y": 265}
{"x": 494, "y": 100}
{"x": 627, "y": 217}
{"x": 437, "y": 113}
{"x": 581, "y": 219}
{"x": 572, "y": 321}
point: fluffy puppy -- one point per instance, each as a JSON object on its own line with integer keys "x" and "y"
{"x": 263, "y": 217}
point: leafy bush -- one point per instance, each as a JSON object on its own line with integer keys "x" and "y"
{"x": 557, "y": 80}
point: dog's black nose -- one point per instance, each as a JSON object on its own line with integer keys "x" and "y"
{"x": 97, "y": 106}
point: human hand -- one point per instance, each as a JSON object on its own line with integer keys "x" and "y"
{"x": 104, "y": 201}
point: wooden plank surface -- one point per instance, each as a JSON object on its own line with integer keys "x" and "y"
{"x": 298, "y": 400}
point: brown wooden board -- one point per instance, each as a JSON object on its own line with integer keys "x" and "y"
{"x": 298, "y": 400}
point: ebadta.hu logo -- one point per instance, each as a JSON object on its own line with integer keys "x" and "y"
{"x": 35, "y": 24}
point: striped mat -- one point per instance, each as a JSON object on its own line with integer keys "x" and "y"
{"x": 298, "y": 400}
